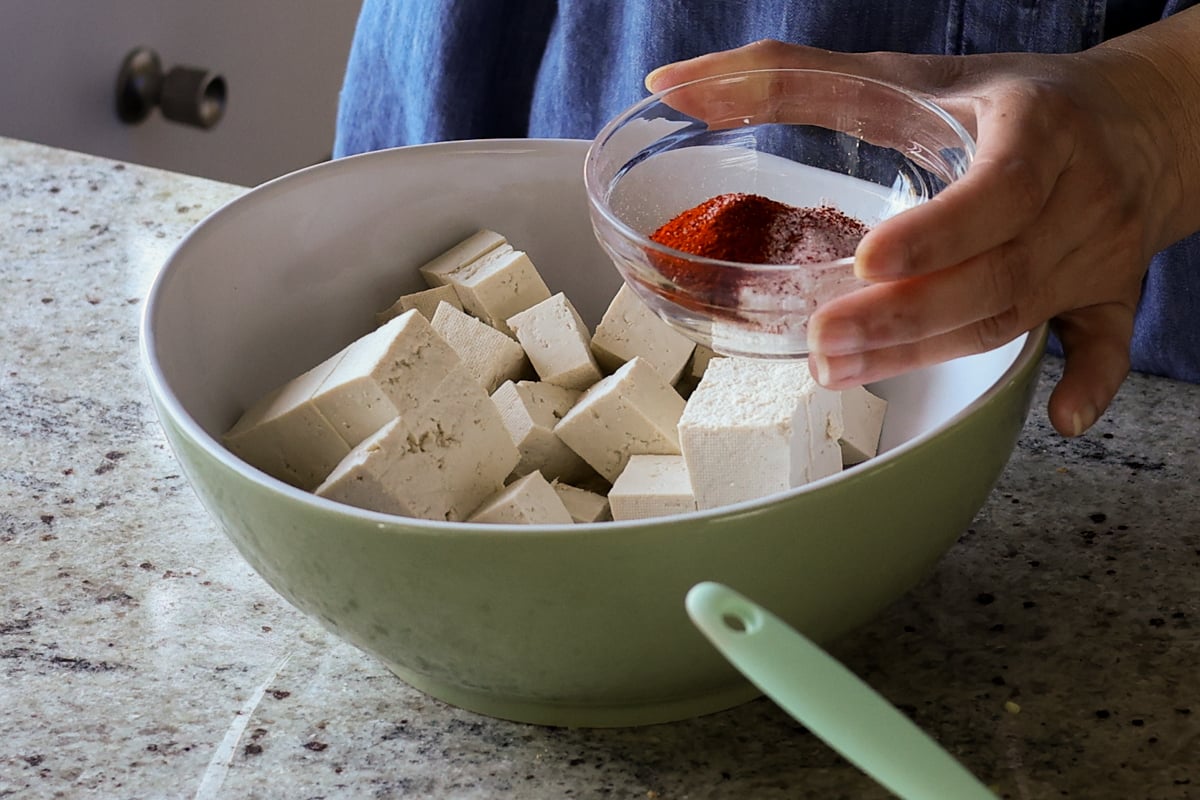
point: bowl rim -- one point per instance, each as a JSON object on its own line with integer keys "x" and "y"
{"x": 600, "y": 206}
{"x": 169, "y": 405}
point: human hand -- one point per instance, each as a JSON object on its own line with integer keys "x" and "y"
{"x": 1070, "y": 194}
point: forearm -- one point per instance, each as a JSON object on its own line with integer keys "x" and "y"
{"x": 1157, "y": 70}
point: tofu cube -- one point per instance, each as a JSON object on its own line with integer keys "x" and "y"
{"x": 699, "y": 361}
{"x": 530, "y": 410}
{"x": 438, "y": 462}
{"x": 557, "y": 343}
{"x": 652, "y": 486}
{"x": 582, "y": 505}
{"x": 489, "y": 355}
{"x": 694, "y": 371}
{"x": 630, "y": 328}
{"x": 497, "y": 285}
{"x": 285, "y": 435}
{"x": 360, "y": 479}
{"x": 394, "y": 370}
{"x": 862, "y": 416}
{"x": 634, "y": 411}
{"x": 425, "y": 303}
{"x": 755, "y": 427}
{"x": 526, "y": 501}
{"x": 437, "y": 272}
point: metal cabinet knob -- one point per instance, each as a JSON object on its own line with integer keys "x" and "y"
{"x": 188, "y": 95}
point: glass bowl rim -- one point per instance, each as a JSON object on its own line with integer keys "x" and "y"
{"x": 641, "y": 240}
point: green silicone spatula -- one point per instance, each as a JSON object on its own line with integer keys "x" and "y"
{"x": 829, "y": 699}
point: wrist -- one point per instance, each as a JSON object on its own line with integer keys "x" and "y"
{"x": 1160, "y": 84}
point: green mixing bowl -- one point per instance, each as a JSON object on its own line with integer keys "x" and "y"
{"x": 578, "y": 625}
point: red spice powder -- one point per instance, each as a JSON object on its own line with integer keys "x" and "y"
{"x": 757, "y": 230}
{"x": 750, "y": 229}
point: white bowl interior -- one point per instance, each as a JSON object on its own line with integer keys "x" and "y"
{"x": 294, "y": 270}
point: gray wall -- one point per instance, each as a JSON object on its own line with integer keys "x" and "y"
{"x": 282, "y": 60}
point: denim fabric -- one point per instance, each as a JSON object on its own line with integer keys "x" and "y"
{"x": 427, "y": 70}
{"x": 430, "y": 70}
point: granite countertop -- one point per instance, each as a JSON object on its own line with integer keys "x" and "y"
{"x": 1055, "y": 649}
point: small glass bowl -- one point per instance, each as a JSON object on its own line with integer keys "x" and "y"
{"x": 803, "y": 137}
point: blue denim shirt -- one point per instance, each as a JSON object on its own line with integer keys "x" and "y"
{"x": 432, "y": 70}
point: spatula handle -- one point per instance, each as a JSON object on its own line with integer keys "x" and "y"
{"x": 829, "y": 699}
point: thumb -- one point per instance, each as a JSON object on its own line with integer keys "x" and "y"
{"x": 1095, "y": 341}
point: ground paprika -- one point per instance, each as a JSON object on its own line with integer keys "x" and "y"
{"x": 749, "y": 229}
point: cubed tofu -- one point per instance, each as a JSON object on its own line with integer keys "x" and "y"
{"x": 498, "y": 285}
{"x": 634, "y": 411}
{"x": 526, "y": 501}
{"x": 285, "y": 435}
{"x": 425, "y": 303}
{"x": 862, "y": 417}
{"x": 699, "y": 361}
{"x": 557, "y": 343}
{"x": 652, "y": 486}
{"x": 582, "y": 505}
{"x": 438, "y": 462}
{"x": 437, "y": 272}
{"x": 489, "y": 355}
{"x": 394, "y": 370}
{"x": 362, "y": 478}
{"x": 530, "y": 410}
{"x": 630, "y": 328}
{"x": 753, "y": 428}
{"x": 694, "y": 371}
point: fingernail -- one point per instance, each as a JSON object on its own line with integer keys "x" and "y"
{"x": 838, "y": 372}
{"x": 654, "y": 75}
{"x": 819, "y": 367}
{"x": 838, "y": 337}
{"x": 1083, "y": 419}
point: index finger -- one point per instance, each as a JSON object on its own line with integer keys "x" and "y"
{"x": 921, "y": 72}
{"x": 872, "y": 110}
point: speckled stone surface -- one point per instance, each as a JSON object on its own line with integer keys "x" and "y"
{"x": 1055, "y": 649}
